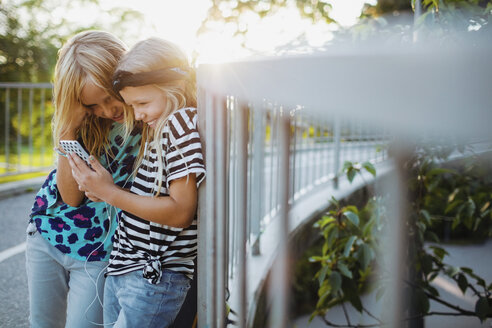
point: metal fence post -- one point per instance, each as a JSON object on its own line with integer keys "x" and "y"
{"x": 221, "y": 196}
{"x": 7, "y": 128}
{"x": 279, "y": 279}
{"x": 336, "y": 164}
{"x": 257, "y": 172}
{"x": 241, "y": 117}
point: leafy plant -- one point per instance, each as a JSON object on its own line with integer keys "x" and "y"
{"x": 351, "y": 238}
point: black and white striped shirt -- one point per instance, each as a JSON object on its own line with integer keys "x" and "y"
{"x": 141, "y": 244}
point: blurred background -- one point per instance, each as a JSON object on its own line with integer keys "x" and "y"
{"x": 220, "y": 31}
{"x": 31, "y": 32}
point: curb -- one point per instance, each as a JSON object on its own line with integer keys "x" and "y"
{"x": 11, "y": 189}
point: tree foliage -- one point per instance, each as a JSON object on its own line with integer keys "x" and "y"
{"x": 30, "y": 35}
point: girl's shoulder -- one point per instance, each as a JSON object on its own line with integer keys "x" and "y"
{"x": 186, "y": 114}
{"x": 183, "y": 120}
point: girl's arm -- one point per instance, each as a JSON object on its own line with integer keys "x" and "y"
{"x": 176, "y": 210}
{"x": 67, "y": 186}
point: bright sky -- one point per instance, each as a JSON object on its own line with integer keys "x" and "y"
{"x": 178, "y": 21}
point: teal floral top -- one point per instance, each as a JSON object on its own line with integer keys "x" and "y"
{"x": 85, "y": 232}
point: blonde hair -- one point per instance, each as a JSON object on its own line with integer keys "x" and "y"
{"x": 151, "y": 55}
{"x": 89, "y": 56}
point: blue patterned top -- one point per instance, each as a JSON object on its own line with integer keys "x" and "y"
{"x": 85, "y": 232}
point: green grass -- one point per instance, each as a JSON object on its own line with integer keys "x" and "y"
{"x": 22, "y": 176}
{"x": 26, "y": 161}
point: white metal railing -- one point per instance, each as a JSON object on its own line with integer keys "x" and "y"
{"x": 253, "y": 172}
{"x": 25, "y": 117}
{"x": 262, "y": 162}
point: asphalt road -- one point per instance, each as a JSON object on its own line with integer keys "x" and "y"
{"x": 14, "y": 301}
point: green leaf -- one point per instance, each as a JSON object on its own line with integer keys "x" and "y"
{"x": 380, "y": 293}
{"x": 366, "y": 231}
{"x": 453, "y": 195}
{"x": 452, "y": 271}
{"x": 432, "y": 290}
{"x": 369, "y": 168}
{"x": 476, "y": 224}
{"x": 324, "y": 292}
{"x": 354, "y": 218}
{"x": 439, "y": 171}
{"x": 364, "y": 256}
{"x": 351, "y": 172}
{"x": 452, "y": 205}
{"x": 421, "y": 301}
{"x": 322, "y": 274}
{"x": 439, "y": 252}
{"x": 430, "y": 235}
{"x": 344, "y": 270}
{"x": 470, "y": 207}
{"x": 456, "y": 222}
{"x": 347, "y": 165}
{"x": 351, "y": 293}
{"x": 482, "y": 308}
{"x": 484, "y": 207}
{"x": 348, "y": 246}
{"x": 426, "y": 264}
{"x": 335, "y": 282}
{"x": 330, "y": 239}
{"x": 317, "y": 258}
{"x": 426, "y": 216}
{"x": 325, "y": 220}
{"x": 325, "y": 248}
{"x": 462, "y": 283}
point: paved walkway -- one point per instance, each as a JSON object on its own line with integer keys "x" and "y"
{"x": 14, "y": 302}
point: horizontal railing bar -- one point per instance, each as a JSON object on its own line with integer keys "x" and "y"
{"x": 365, "y": 72}
{"x": 24, "y": 85}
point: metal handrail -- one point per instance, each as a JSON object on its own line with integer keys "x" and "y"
{"x": 26, "y": 132}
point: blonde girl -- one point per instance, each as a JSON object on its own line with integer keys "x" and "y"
{"x": 69, "y": 236}
{"x": 152, "y": 260}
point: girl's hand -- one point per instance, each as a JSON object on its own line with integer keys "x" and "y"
{"x": 96, "y": 183}
{"x": 93, "y": 198}
{"x": 77, "y": 114}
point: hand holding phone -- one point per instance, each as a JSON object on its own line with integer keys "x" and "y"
{"x": 73, "y": 146}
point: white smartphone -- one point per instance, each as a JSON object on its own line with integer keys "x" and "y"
{"x": 73, "y": 146}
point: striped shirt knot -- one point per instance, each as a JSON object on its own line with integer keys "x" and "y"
{"x": 152, "y": 270}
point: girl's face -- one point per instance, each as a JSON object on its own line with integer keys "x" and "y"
{"x": 148, "y": 103}
{"x": 98, "y": 102}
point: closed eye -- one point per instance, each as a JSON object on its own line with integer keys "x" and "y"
{"x": 90, "y": 108}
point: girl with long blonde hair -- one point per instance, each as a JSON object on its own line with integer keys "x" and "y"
{"x": 69, "y": 235}
{"x": 152, "y": 262}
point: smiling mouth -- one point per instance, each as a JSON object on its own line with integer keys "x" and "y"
{"x": 118, "y": 118}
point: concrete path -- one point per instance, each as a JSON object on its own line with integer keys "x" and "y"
{"x": 14, "y": 302}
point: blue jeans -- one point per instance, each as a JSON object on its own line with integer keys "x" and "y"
{"x": 61, "y": 292}
{"x": 131, "y": 301}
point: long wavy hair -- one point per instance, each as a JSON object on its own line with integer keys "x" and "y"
{"x": 150, "y": 55}
{"x": 89, "y": 56}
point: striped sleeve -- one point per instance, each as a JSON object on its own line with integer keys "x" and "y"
{"x": 183, "y": 149}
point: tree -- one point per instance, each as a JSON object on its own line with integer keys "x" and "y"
{"x": 31, "y": 36}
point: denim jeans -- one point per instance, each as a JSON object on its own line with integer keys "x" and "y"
{"x": 131, "y": 301}
{"x": 62, "y": 290}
